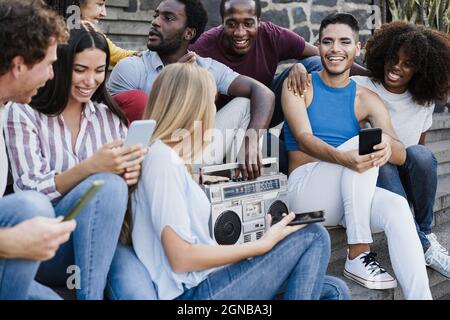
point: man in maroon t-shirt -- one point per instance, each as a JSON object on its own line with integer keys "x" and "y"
{"x": 254, "y": 48}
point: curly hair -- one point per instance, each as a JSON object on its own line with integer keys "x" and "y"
{"x": 427, "y": 49}
{"x": 197, "y": 17}
{"x": 27, "y": 29}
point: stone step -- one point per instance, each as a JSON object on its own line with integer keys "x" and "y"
{"x": 118, "y": 3}
{"x": 135, "y": 28}
{"x": 118, "y": 14}
{"x": 441, "y": 150}
{"x": 440, "y": 286}
{"x": 441, "y": 121}
{"x": 443, "y": 169}
{"x": 442, "y": 194}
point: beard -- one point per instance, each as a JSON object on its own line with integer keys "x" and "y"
{"x": 167, "y": 46}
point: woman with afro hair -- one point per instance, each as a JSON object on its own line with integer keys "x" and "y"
{"x": 410, "y": 71}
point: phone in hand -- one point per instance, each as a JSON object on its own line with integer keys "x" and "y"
{"x": 307, "y": 218}
{"x": 140, "y": 132}
{"x": 368, "y": 138}
{"x": 83, "y": 201}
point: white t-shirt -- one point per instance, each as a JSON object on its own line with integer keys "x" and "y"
{"x": 167, "y": 195}
{"x": 409, "y": 119}
{"x": 3, "y": 156}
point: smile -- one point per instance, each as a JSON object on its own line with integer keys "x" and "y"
{"x": 241, "y": 43}
{"x": 393, "y": 77}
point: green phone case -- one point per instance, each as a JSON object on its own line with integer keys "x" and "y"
{"x": 76, "y": 209}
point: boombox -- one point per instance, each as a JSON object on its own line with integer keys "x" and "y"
{"x": 238, "y": 208}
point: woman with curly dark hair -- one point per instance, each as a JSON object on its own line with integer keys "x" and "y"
{"x": 410, "y": 67}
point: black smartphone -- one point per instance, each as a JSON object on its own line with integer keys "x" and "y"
{"x": 307, "y": 217}
{"x": 368, "y": 138}
{"x": 76, "y": 209}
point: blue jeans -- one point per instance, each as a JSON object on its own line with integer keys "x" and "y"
{"x": 415, "y": 180}
{"x": 296, "y": 266}
{"x": 128, "y": 279}
{"x": 93, "y": 243}
{"x": 17, "y": 275}
{"x": 311, "y": 64}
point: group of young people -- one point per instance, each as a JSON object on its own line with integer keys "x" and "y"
{"x": 64, "y": 128}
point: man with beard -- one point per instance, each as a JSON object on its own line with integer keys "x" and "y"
{"x": 175, "y": 25}
{"x": 326, "y": 171}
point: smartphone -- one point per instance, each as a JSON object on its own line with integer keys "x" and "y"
{"x": 307, "y": 218}
{"x": 368, "y": 138}
{"x": 81, "y": 203}
{"x": 140, "y": 132}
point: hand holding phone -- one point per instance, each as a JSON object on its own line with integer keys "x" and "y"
{"x": 140, "y": 132}
{"x": 83, "y": 201}
{"x": 368, "y": 138}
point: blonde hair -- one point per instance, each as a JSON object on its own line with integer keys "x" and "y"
{"x": 182, "y": 94}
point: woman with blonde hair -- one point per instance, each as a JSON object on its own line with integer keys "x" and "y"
{"x": 170, "y": 214}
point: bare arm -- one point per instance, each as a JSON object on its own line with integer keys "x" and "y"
{"x": 422, "y": 138}
{"x": 262, "y": 102}
{"x": 109, "y": 158}
{"x": 187, "y": 257}
{"x": 379, "y": 117}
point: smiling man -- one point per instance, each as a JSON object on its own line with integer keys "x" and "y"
{"x": 254, "y": 48}
{"x": 327, "y": 173}
{"x": 29, "y": 232}
{"x": 175, "y": 25}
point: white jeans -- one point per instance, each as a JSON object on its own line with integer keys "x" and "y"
{"x": 353, "y": 200}
{"x": 231, "y": 123}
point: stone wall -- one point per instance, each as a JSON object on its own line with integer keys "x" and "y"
{"x": 127, "y": 21}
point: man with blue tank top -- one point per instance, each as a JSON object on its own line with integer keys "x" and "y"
{"x": 326, "y": 171}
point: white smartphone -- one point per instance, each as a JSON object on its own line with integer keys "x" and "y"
{"x": 140, "y": 132}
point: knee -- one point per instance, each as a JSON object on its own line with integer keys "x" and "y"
{"x": 114, "y": 187}
{"x": 421, "y": 157}
{"x": 335, "y": 289}
{"x": 318, "y": 236}
{"x": 34, "y": 204}
{"x": 313, "y": 63}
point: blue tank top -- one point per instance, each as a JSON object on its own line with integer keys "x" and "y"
{"x": 331, "y": 114}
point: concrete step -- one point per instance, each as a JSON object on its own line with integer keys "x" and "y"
{"x": 440, "y": 286}
{"x": 118, "y": 14}
{"x": 441, "y": 150}
{"x": 440, "y": 121}
{"x": 135, "y": 28}
{"x": 443, "y": 169}
{"x": 118, "y": 3}
{"x": 442, "y": 194}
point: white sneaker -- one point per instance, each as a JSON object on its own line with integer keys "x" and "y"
{"x": 437, "y": 260}
{"x": 435, "y": 243}
{"x": 366, "y": 271}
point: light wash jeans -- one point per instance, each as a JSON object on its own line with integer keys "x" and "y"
{"x": 92, "y": 245}
{"x": 128, "y": 279}
{"x": 353, "y": 200}
{"x": 296, "y": 265}
{"x": 416, "y": 181}
{"x": 17, "y": 275}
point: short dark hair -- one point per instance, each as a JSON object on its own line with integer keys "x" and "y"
{"x": 340, "y": 18}
{"x": 427, "y": 49}
{"x": 257, "y": 8}
{"x": 52, "y": 99}
{"x": 26, "y": 30}
{"x": 197, "y": 17}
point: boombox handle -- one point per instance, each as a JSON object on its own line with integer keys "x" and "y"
{"x": 270, "y": 166}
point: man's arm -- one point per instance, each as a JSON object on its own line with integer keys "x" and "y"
{"x": 379, "y": 117}
{"x": 262, "y": 102}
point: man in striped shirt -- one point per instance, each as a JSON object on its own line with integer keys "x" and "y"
{"x": 29, "y": 232}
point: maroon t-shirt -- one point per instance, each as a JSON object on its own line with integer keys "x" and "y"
{"x": 273, "y": 44}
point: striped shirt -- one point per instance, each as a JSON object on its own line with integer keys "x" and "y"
{"x": 3, "y": 157}
{"x": 40, "y": 146}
